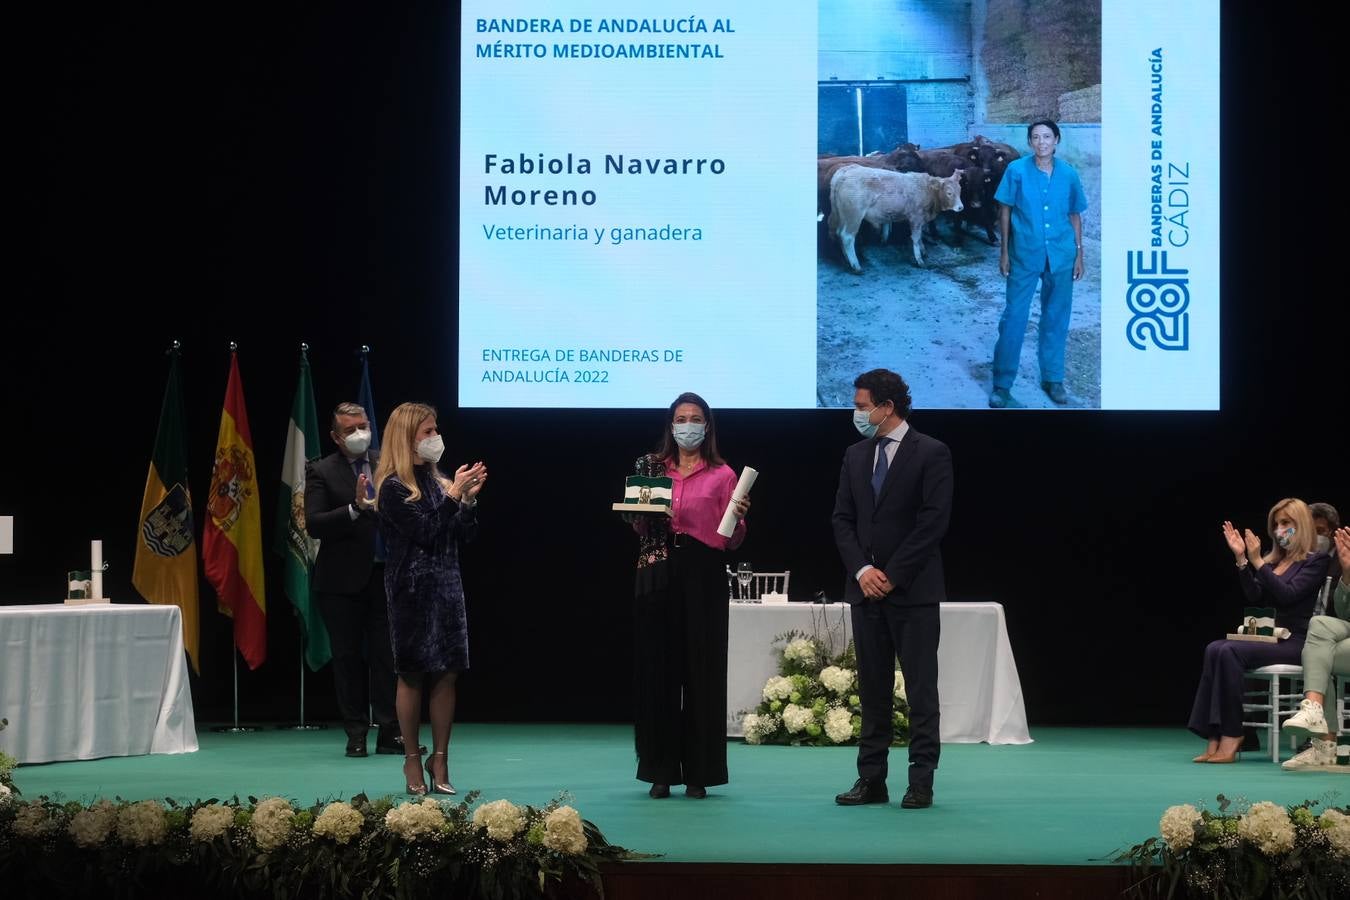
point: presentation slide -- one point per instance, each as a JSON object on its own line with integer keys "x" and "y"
{"x": 758, "y": 202}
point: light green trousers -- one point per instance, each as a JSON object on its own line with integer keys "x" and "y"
{"x": 1326, "y": 651}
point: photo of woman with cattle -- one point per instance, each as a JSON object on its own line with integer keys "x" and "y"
{"x": 922, "y": 109}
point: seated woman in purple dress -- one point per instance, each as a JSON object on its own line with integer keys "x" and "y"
{"x": 1287, "y": 578}
{"x": 423, "y": 517}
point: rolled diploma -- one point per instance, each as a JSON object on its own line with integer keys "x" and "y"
{"x": 96, "y": 570}
{"x": 728, "y": 526}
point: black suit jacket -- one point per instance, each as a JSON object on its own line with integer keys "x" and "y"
{"x": 346, "y": 547}
{"x": 901, "y": 530}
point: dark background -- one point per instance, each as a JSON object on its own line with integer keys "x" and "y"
{"x": 287, "y": 174}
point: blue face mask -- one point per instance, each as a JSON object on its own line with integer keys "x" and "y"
{"x": 687, "y": 434}
{"x": 1285, "y": 538}
{"x": 862, "y": 420}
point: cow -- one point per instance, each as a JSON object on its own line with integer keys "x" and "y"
{"x": 904, "y": 158}
{"x": 861, "y": 194}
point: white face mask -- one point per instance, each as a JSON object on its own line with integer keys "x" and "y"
{"x": 431, "y": 448}
{"x": 357, "y": 442}
{"x": 1324, "y": 543}
{"x": 687, "y": 434}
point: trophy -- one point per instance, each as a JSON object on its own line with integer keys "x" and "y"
{"x": 649, "y": 491}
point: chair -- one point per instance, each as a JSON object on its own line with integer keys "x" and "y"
{"x": 761, "y": 583}
{"x": 1274, "y": 703}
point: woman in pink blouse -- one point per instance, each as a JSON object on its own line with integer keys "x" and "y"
{"x": 680, "y": 617}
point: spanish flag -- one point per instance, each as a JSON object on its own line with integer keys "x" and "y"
{"x": 232, "y": 539}
{"x": 166, "y": 550}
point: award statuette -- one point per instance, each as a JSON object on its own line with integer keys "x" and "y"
{"x": 1258, "y": 624}
{"x": 649, "y": 491}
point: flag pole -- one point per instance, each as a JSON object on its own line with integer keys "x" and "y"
{"x": 236, "y": 728}
{"x": 302, "y": 725}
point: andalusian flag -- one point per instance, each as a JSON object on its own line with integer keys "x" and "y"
{"x": 232, "y": 540}
{"x": 294, "y": 544}
{"x": 166, "y": 553}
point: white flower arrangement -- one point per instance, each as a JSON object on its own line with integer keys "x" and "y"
{"x": 563, "y": 831}
{"x": 32, "y": 821}
{"x": 339, "y": 822}
{"x": 210, "y": 822}
{"x": 1177, "y": 826}
{"x": 142, "y": 824}
{"x": 816, "y": 704}
{"x": 800, "y": 650}
{"x": 92, "y": 826}
{"x": 502, "y": 819}
{"x": 796, "y": 718}
{"x": 415, "y": 821}
{"x": 1268, "y": 827}
{"x": 837, "y": 680}
{"x": 838, "y": 724}
{"x": 777, "y": 688}
{"x": 1337, "y": 826}
{"x": 271, "y": 823}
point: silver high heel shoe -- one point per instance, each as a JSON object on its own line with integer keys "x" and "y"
{"x": 416, "y": 790}
{"x": 439, "y": 787}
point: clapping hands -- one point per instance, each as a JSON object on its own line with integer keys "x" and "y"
{"x": 1244, "y": 543}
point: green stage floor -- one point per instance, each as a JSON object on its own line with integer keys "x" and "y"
{"x": 1071, "y": 798}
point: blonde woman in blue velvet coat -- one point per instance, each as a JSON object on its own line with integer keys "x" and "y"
{"x": 424, "y": 516}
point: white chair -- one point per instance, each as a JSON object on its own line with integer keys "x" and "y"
{"x": 1280, "y": 697}
{"x": 760, "y": 583}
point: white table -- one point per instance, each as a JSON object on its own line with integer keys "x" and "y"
{"x": 981, "y": 696}
{"x": 83, "y": 682}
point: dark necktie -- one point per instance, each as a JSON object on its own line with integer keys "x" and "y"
{"x": 883, "y": 464}
{"x": 359, "y": 467}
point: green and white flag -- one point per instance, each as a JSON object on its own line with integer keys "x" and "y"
{"x": 293, "y": 543}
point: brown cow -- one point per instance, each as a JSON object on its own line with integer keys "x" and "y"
{"x": 860, "y": 194}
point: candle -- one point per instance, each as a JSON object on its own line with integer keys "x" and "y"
{"x": 96, "y": 569}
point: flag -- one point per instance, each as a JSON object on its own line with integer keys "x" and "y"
{"x": 366, "y": 400}
{"x": 293, "y": 543}
{"x": 232, "y": 539}
{"x": 165, "y": 570}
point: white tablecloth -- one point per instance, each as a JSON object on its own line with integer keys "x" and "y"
{"x": 981, "y": 696}
{"x": 82, "y": 682}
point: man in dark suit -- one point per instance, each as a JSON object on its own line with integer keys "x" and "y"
{"x": 349, "y": 581}
{"x": 890, "y": 514}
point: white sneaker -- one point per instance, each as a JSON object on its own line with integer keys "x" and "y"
{"x": 1308, "y": 720}
{"x": 1321, "y": 753}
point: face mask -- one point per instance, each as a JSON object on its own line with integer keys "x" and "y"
{"x": 1324, "y": 543}
{"x": 357, "y": 442}
{"x": 687, "y": 434}
{"x": 431, "y": 448}
{"x": 862, "y": 420}
{"x": 1284, "y": 538}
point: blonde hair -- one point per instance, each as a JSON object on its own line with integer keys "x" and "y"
{"x": 399, "y": 457}
{"x": 1304, "y": 533}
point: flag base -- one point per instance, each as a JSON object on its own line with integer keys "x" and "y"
{"x": 235, "y": 729}
{"x": 301, "y": 726}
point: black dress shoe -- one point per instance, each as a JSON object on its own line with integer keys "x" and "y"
{"x": 863, "y": 791}
{"x": 356, "y": 746}
{"x": 693, "y": 790}
{"x": 659, "y": 791}
{"x": 917, "y": 798}
{"x": 394, "y": 745}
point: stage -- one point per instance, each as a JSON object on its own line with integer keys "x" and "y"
{"x": 1070, "y": 799}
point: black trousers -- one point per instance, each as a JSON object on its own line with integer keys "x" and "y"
{"x": 680, "y": 720}
{"x": 880, "y": 629}
{"x": 363, "y": 658}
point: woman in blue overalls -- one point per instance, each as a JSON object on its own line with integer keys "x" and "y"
{"x": 1041, "y": 203}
